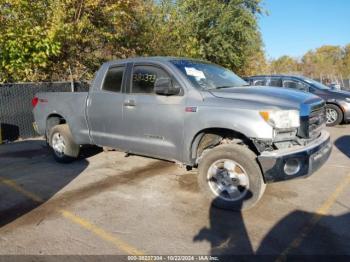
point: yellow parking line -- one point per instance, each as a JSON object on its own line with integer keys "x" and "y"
{"x": 120, "y": 244}
{"x": 101, "y": 233}
{"x": 12, "y": 184}
{"x": 321, "y": 211}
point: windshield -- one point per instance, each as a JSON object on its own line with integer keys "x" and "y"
{"x": 208, "y": 76}
{"x": 316, "y": 84}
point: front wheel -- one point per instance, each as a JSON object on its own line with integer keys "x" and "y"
{"x": 334, "y": 115}
{"x": 230, "y": 177}
{"x": 64, "y": 148}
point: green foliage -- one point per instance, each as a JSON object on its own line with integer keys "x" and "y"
{"x": 223, "y": 32}
{"x": 46, "y": 39}
{"x": 50, "y": 39}
{"x": 346, "y": 62}
{"x": 324, "y": 62}
{"x": 25, "y": 46}
{"x": 92, "y": 31}
{"x": 284, "y": 64}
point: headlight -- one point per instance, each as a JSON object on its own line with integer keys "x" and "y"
{"x": 347, "y": 99}
{"x": 282, "y": 119}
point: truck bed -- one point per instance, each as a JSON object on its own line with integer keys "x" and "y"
{"x": 70, "y": 106}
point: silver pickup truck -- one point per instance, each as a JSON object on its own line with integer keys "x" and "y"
{"x": 195, "y": 113}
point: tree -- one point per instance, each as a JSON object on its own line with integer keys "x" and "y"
{"x": 284, "y": 64}
{"x": 257, "y": 64}
{"x": 42, "y": 40}
{"x": 346, "y": 62}
{"x": 25, "y": 41}
{"x": 223, "y": 32}
{"x": 49, "y": 39}
{"x": 326, "y": 60}
{"x": 92, "y": 31}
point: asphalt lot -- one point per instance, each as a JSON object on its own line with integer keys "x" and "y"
{"x": 107, "y": 203}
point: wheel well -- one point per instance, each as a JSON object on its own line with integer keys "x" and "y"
{"x": 212, "y": 137}
{"x": 53, "y": 120}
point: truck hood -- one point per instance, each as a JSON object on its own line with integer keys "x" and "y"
{"x": 273, "y": 96}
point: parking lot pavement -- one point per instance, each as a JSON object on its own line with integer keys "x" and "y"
{"x": 107, "y": 203}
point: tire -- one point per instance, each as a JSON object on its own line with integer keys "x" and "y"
{"x": 69, "y": 151}
{"x": 245, "y": 165}
{"x": 334, "y": 115}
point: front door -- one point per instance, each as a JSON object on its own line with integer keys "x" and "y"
{"x": 154, "y": 123}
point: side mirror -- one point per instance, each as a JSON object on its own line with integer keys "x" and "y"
{"x": 165, "y": 87}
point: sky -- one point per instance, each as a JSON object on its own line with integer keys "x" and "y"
{"x": 293, "y": 27}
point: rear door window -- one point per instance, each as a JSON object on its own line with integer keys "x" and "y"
{"x": 114, "y": 79}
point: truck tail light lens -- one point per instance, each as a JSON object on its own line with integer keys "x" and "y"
{"x": 35, "y": 101}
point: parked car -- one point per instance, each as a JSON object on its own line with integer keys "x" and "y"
{"x": 195, "y": 113}
{"x": 337, "y": 101}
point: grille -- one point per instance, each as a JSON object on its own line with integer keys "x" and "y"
{"x": 317, "y": 120}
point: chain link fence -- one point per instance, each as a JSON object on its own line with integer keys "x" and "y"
{"x": 16, "y": 116}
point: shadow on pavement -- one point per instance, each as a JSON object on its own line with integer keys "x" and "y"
{"x": 324, "y": 235}
{"x": 227, "y": 233}
{"x": 343, "y": 144}
{"x": 29, "y": 166}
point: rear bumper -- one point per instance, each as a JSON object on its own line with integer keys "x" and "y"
{"x": 309, "y": 158}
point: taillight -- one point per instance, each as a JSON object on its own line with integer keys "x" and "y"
{"x": 35, "y": 101}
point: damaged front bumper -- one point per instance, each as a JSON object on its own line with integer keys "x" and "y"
{"x": 290, "y": 163}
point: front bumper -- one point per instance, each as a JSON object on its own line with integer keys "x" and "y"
{"x": 310, "y": 159}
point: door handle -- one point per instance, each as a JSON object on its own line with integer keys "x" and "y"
{"x": 130, "y": 102}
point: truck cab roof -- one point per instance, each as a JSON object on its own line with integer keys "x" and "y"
{"x": 151, "y": 59}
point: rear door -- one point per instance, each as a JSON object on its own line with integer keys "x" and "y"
{"x": 105, "y": 109}
{"x": 154, "y": 123}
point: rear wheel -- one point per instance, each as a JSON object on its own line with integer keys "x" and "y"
{"x": 64, "y": 148}
{"x": 334, "y": 115}
{"x": 230, "y": 177}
